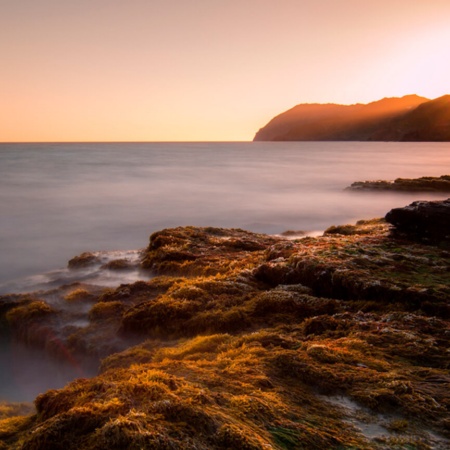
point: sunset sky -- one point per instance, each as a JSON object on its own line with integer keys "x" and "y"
{"x": 206, "y": 70}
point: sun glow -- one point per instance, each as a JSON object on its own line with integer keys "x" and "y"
{"x": 422, "y": 64}
{"x": 96, "y": 71}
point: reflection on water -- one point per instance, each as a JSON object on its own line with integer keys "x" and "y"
{"x": 58, "y": 200}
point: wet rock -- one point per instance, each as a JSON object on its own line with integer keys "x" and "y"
{"x": 8, "y": 303}
{"x": 247, "y": 333}
{"x": 321, "y": 324}
{"x": 293, "y": 233}
{"x": 119, "y": 264}
{"x": 86, "y": 259}
{"x": 424, "y": 221}
{"x": 202, "y": 251}
{"x": 342, "y": 229}
{"x": 274, "y": 274}
{"x": 423, "y": 184}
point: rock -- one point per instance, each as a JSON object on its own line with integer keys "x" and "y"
{"x": 202, "y": 251}
{"x": 119, "y": 264}
{"x": 424, "y": 221}
{"x": 84, "y": 260}
{"x": 234, "y": 340}
{"x": 423, "y": 184}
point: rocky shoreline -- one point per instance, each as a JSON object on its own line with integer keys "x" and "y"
{"x": 248, "y": 341}
{"x": 423, "y": 184}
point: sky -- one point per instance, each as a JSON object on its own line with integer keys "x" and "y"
{"x": 206, "y": 70}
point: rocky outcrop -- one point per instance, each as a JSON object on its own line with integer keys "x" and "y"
{"x": 86, "y": 259}
{"x": 410, "y": 118}
{"x": 422, "y": 184}
{"x": 428, "y": 222}
{"x": 247, "y": 341}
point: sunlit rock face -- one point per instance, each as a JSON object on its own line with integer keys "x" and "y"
{"x": 428, "y": 222}
{"x": 410, "y": 118}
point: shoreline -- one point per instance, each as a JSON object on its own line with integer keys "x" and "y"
{"x": 248, "y": 340}
{"x": 105, "y": 268}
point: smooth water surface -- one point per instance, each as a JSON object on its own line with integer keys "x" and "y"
{"x": 58, "y": 200}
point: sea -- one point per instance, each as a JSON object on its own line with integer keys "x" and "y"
{"x": 61, "y": 199}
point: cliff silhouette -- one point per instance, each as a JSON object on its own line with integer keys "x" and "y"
{"x": 409, "y": 118}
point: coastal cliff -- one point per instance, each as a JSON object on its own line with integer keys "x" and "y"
{"x": 409, "y": 118}
{"x": 248, "y": 341}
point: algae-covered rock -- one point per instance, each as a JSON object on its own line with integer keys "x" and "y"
{"x": 248, "y": 341}
{"x": 202, "y": 251}
{"x": 84, "y": 260}
{"x": 422, "y": 184}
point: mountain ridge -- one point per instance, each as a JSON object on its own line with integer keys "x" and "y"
{"x": 408, "y": 118}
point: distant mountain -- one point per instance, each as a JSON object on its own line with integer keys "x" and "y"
{"x": 409, "y": 118}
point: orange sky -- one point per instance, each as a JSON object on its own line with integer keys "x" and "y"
{"x": 180, "y": 70}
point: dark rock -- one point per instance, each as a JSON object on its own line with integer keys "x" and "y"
{"x": 119, "y": 264}
{"x": 345, "y": 230}
{"x": 423, "y": 184}
{"x": 424, "y": 221}
{"x": 274, "y": 274}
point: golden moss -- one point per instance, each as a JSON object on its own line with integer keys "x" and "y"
{"x": 134, "y": 355}
{"x": 245, "y": 338}
{"x": 234, "y": 436}
{"x": 106, "y": 310}
{"x": 15, "y": 409}
{"x": 77, "y": 295}
{"x": 9, "y": 428}
{"x": 194, "y": 348}
{"x": 221, "y": 390}
{"x": 22, "y": 314}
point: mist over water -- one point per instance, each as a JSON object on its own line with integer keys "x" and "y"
{"x": 58, "y": 200}
{"x": 27, "y": 372}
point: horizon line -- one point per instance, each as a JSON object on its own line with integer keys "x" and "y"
{"x": 124, "y": 142}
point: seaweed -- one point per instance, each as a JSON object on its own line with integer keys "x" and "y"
{"x": 243, "y": 340}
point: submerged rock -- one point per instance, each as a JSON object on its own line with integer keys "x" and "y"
{"x": 424, "y": 221}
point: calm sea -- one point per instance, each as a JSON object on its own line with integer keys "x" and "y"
{"x": 58, "y": 200}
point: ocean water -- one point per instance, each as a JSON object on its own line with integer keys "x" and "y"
{"x": 59, "y": 200}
